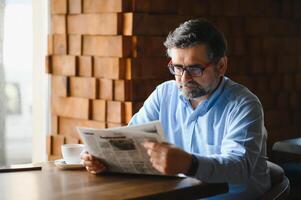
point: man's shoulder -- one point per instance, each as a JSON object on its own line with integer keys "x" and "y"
{"x": 167, "y": 86}
{"x": 239, "y": 93}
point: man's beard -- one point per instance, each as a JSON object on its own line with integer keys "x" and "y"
{"x": 192, "y": 90}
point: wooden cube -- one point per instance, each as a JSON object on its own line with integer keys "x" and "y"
{"x": 54, "y": 127}
{"x": 99, "y": 110}
{"x": 48, "y": 64}
{"x": 58, "y": 141}
{"x": 68, "y": 126}
{"x": 106, "y": 89}
{"x": 147, "y": 24}
{"x": 83, "y": 87}
{"x": 95, "y": 24}
{"x": 146, "y": 68}
{"x": 71, "y": 140}
{"x": 109, "y": 68}
{"x": 123, "y": 46}
{"x": 85, "y": 67}
{"x": 64, "y": 65}
{"x": 130, "y": 108}
{"x": 123, "y": 90}
{"x": 110, "y": 6}
{"x": 50, "y": 44}
{"x": 49, "y": 142}
{"x": 71, "y": 107}
{"x": 58, "y": 24}
{"x": 58, "y": 6}
{"x": 74, "y": 6}
{"x": 115, "y": 112}
{"x": 60, "y": 86}
{"x": 145, "y": 6}
{"x": 131, "y": 90}
{"x": 59, "y": 44}
{"x": 74, "y": 44}
{"x": 114, "y": 125}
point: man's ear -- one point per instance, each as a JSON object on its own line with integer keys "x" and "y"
{"x": 222, "y": 65}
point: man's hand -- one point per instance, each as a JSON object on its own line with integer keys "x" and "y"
{"x": 167, "y": 158}
{"x": 92, "y": 164}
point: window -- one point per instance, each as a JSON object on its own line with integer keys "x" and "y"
{"x": 23, "y": 91}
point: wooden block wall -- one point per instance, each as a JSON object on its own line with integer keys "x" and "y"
{"x": 106, "y": 56}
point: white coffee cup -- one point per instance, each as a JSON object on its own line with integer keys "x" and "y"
{"x": 71, "y": 153}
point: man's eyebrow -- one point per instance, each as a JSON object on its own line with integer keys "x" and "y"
{"x": 192, "y": 65}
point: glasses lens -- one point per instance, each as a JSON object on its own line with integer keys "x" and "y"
{"x": 195, "y": 71}
{"x": 175, "y": 70}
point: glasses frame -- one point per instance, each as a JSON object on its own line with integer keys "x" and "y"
{"x": 184, "y": 68}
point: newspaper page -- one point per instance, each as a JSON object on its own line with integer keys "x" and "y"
{"x": 121, "y": 148}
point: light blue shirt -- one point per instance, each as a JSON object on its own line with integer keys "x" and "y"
{"x": 226, "y": 133}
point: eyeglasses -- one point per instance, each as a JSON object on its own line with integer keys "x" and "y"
{"x": 192, "y": 70}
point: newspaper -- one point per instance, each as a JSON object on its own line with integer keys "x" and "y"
{"x": 121, "y": 148}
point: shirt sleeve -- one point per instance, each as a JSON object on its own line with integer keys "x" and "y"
{"x": 149, "y": 111}
{"x": 240, "y": 148}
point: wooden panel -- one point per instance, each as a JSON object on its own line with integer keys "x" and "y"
{"x": 68, "y": 126}
{"x": 83, "y": 87}
{"x": 115, "y": 111}
{"x": 54, "y": 128}
{"x": 106, "y": 89}
{"x": 59, "y": 44}
{"x": 64, "y": 65}
{"x": 58, "y": 6}
{"x": 106, "y": 46}
{"x": 121, "y": 112}
{"x": 71, "y": 107}
{"x": 95, "y": 24}
{"x": 126, "y": 24}
{"x": 110, "y": 68}
{"x": 74, "y": 6}
{"x": 115, "y": 125}
{"x": 48, "y": 64}
{"x": 123, "y": 46}
{"x": 71, "y": 140}
{"x": 147, "y": 68}
{"x": 50, "y": 44}
{"x": 59, "y": 86}
{"x": 122, "y": 90}
{"x": 58, "y": 24}
{"x": 130, "y": 108}
{"x": 131, "y": 68}
{"x": 99, "y": 110}
{"x": 131, "y": 90}
{"x": 147, "y": 46}
{"x": 112, "y": 6}
{"x": 54, "y": 157}
{"x": 58, "y": 141}
{"x": 147, "y": 24}
{"x": 156, "y": 6}
{"x": 49, "y": 144}
{"x": 85, "y": 66}
{"x": 74, "y": 44}
{"x": 145, "y": 6}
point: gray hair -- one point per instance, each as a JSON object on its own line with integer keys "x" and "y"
{"x": 198, "y": 31}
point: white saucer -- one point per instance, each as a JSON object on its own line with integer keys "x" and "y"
{"x": 63, "y": 165}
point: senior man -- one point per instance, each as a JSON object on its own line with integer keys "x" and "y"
{"x": 215, "y": 126}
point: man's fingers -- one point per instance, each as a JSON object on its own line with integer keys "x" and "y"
{"x": 96, "y": 170}
{"x": 86, "y": 156}
{"x": 149, "y": 145}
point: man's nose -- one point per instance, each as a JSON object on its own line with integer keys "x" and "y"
{"x": 185, "y": 77}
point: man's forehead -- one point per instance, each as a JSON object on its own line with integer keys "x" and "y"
{"x": 194, "y": 53}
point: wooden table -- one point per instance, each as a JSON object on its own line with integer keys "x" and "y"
{"x": 53, "y": 183}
